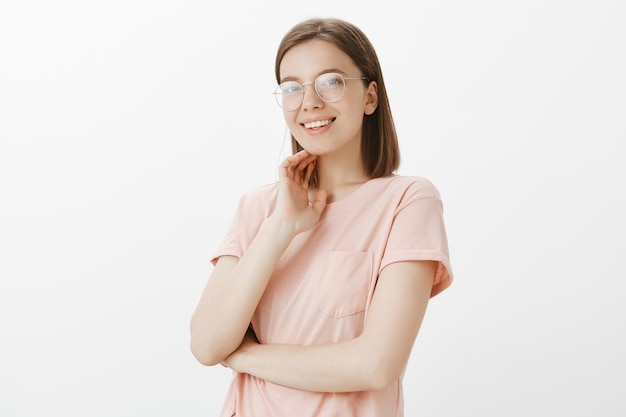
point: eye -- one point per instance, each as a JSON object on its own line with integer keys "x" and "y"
{"x": 330, "y": 80}
{"x": 290, "y": 88}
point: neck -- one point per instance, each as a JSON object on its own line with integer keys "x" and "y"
{"x": 340, "y": 177}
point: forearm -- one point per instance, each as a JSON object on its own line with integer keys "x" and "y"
{"x": 341, "y": 367}
{"x": 228, "y": 302}
{"x": 371, "y": 361}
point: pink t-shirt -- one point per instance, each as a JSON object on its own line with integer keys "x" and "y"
{"x": 322, "y": 285}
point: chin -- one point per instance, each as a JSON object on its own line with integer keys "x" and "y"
{"x": 310, "y": 149}
{"x": 317, "y": 148}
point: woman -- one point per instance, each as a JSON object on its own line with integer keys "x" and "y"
{"x": 322, "y": 281}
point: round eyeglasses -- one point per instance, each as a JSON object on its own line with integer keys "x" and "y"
{"x": 330, "y": 87}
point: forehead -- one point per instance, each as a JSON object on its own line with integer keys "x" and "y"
{"x": 308, "y": 59}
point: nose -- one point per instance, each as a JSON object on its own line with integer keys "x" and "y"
{"x": 311, "y": 99}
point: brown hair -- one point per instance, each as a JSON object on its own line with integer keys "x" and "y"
{"x": 379, "y": 143}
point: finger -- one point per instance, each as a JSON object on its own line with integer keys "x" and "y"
{"x": 287, "y": 168}
{"x": 305, "y": 158}
{"x": 283, "y": 170}
{"x": 291, "y": 163}
{"x": 303, "y": 153}
{"x": 301, "y": 166}
{"x": 309, "y": 172}
{"x": 295, "y": 166}
{"x": 305, "y": 170}
{"x": 297, "y": 157}
{"x": 319, "y": 201}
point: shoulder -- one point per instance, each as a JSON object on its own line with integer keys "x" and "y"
{"x": 414, "y": 187}
{"x": 262, "y": 192}
{"x": 260, "y": 199}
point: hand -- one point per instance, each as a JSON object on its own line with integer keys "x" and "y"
{"x": 296, "y": 202}
{"x": 235, "y": 360}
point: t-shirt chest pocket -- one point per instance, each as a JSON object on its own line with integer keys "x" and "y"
{"x": 342, "y": 283}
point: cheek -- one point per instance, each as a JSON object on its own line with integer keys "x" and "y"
{"x": 354, "y": 117}
{"x": 289, "y": 118}
{"x": 292, "y": 126}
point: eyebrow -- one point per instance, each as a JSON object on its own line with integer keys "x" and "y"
{"x": 324, "y": 71}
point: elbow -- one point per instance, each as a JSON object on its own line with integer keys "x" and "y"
{"x": 205, "y": 352}
{"x": 205, "y": 356}
{"x": 379, "y": 366}
{"x": 210, "y": 346}
{"x": 206, "y": 349}
{"x": 383, "y": 372}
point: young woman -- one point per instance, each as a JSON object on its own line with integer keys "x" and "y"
{"x": 322, "y": 281}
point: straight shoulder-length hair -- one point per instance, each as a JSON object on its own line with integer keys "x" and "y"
{"x": 379, "y": 143}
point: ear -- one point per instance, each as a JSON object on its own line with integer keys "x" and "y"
{"x": 371, "y": 98}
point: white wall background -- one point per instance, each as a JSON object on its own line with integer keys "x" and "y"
{"x": 129, "y": 129}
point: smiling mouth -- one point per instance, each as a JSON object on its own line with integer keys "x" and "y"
{"x": 318, "y": 123}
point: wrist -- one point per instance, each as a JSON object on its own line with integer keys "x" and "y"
{"x": 281, "y": 229}
{"x": 240, "y": 360}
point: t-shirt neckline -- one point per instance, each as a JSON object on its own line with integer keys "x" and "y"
{"x": 350, "y": 200}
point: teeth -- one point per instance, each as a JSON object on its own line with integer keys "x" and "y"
{"x": 318, "y": 123}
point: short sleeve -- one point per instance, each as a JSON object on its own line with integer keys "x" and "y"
{"x": 418, "y": 233}
{"x": 229, "y": 244}
{"x": 251, "y": 211}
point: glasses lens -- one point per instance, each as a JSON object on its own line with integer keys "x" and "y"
{"x": 330, "y": 86}
{"x": 289, "y": 95}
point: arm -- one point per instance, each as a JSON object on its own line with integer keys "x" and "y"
{"x": 371, "y": 361}
{"x": 232, "y": 293}
{"x": 235, "y": 287}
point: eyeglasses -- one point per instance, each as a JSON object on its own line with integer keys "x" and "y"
{"x": 330, "y": 87}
